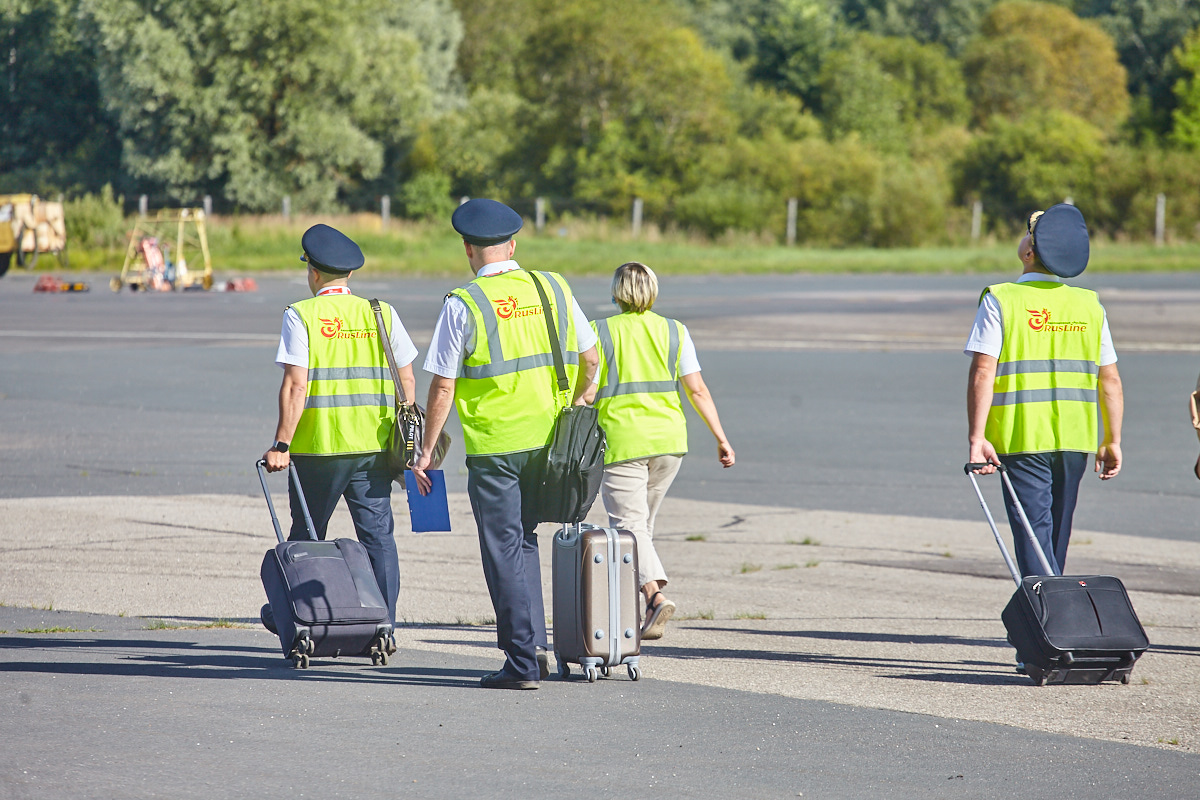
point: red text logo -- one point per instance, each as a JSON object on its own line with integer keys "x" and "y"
{"x": 333, "y": 329}
{"x": 1039, "y": 320}
{"x": 507, "y": 309}
{"x": 330, "y": 327}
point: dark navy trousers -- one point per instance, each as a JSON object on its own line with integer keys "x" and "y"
{"x": 366, "y": 484}
{"x": 1047, "y": 484}
{"x": 501, "y": 491}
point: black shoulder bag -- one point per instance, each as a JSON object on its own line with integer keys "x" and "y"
{"x": 574, "y": 466}
{"x": 409, "y": 427}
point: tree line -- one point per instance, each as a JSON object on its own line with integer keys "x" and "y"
{"x": 886, "y": 120}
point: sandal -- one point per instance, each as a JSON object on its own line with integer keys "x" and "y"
{"x": 657, "y": 616}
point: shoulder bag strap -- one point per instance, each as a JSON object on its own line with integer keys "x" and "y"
{"x": 387, "y": 351}
{"x": 555, "y": 347}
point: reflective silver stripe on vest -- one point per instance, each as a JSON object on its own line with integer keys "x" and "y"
{"x": 1044, "y": 396}
{"x": 518, "y": 364}
{"x": 645, "y": 386}
{"x": 349, "y": 400}
{"x": 1047, "y": 365}
{"x": 673, "y": 349}
{"x": 612, "y": 379}
{"x": 491, "y": 327}
{"x": 501, "y": 366}
{"x": 349, "y": 374}
{"x": 560, "y": 303}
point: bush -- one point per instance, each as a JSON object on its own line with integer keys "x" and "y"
{"x": 1127, "y": 184}
{"x": 838, "y": 186}
{"x": 1018, "y": 167}
{"x": 725, "y": 206}
{"x": 96, "y": 221}
{"x": 913, "y": 208}
{"x": 427, "y": 196}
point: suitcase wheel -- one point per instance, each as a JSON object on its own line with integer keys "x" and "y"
{"x": 1036, "y": 675}
{"x": 592, "y": 673}
{"x": 1125, "y": 678}
{"x": 605, "y": 671}
{"x": 381, "y": 648}
{"x": 634, "y": 673}
{"x": 300, "y": 660}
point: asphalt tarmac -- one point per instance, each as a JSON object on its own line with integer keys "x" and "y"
{"x": 840, "y": 394}
{"x": 210, "y": 714}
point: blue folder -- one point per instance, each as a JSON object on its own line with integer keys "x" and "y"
{"x": 428, "y": 512}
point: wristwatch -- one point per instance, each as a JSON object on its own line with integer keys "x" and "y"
{"x": 280, "y": 447}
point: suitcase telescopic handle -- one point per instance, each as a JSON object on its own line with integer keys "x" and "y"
{"x": 969, "y": 469}
{"x": 295, "y": 478}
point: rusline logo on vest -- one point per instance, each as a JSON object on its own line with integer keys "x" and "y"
{"x": 332, "y": 328}
{"x": 1040, "y": 321}
{"x": 506, "y": 308}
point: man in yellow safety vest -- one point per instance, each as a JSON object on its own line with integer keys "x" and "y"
{"x": 337, "y": 405}
{"x": 1042, "y": 360}
{"x": 491, "y": 358}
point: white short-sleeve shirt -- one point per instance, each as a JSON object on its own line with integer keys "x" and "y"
{"x": 293, "y": 340}
{"x": 987, "y": 334}
{"x": 454, "y": 331}
{"x": 688, "y": 362}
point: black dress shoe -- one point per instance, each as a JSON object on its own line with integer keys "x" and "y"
{"x": 502, "y": 680}
{"x": 268, "y": 619}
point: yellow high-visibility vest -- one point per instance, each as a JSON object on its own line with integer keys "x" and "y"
{"x": 1047, "y": 378}
{"x": 638, "y": 399}
{"x": 507, "y": 396}
{"x": 350, "y": 406}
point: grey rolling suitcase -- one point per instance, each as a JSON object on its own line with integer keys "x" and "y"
{"x": 323, "y": 594}
{"x": 597, "y": 618}
{"x": 1067, "y": 629}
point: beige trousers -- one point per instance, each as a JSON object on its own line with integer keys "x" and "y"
{"x": 632, "y": 492}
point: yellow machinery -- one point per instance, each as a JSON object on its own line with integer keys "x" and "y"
{"x": 33, "y": 226}
{"x": 150, "y": 262}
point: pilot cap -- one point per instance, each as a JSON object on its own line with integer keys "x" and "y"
{"x": 331, "y": 250}
{"x": 1060, "y": 239}
{"x": 484, "y": 222}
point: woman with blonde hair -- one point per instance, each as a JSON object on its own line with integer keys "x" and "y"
{"x": 643, "y": 359}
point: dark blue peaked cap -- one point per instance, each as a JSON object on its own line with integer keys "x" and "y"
{"x": 484, "y": 222}
{"x": 1060, "y": 239}
{"x": 330, "y": 249}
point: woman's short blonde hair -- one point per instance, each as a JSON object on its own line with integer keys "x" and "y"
{"x": 635, "y": 287}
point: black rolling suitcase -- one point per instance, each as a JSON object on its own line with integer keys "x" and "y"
{"x": 1067, "y": 629}
{"x": 323, "y": 594}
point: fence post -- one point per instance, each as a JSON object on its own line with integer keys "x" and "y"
{"x": 539, "y": 214}
{"x": 976, "y": 220}
{"x": 208, "y": 205}
{"x": 385, "y": 211}
{"x": 1160, "y": 219}
{"x": 143, "y": 205}
{"x": 637, "y": 216}
{"x": 287, "y": 207}
{"x": 792, "y": 208}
